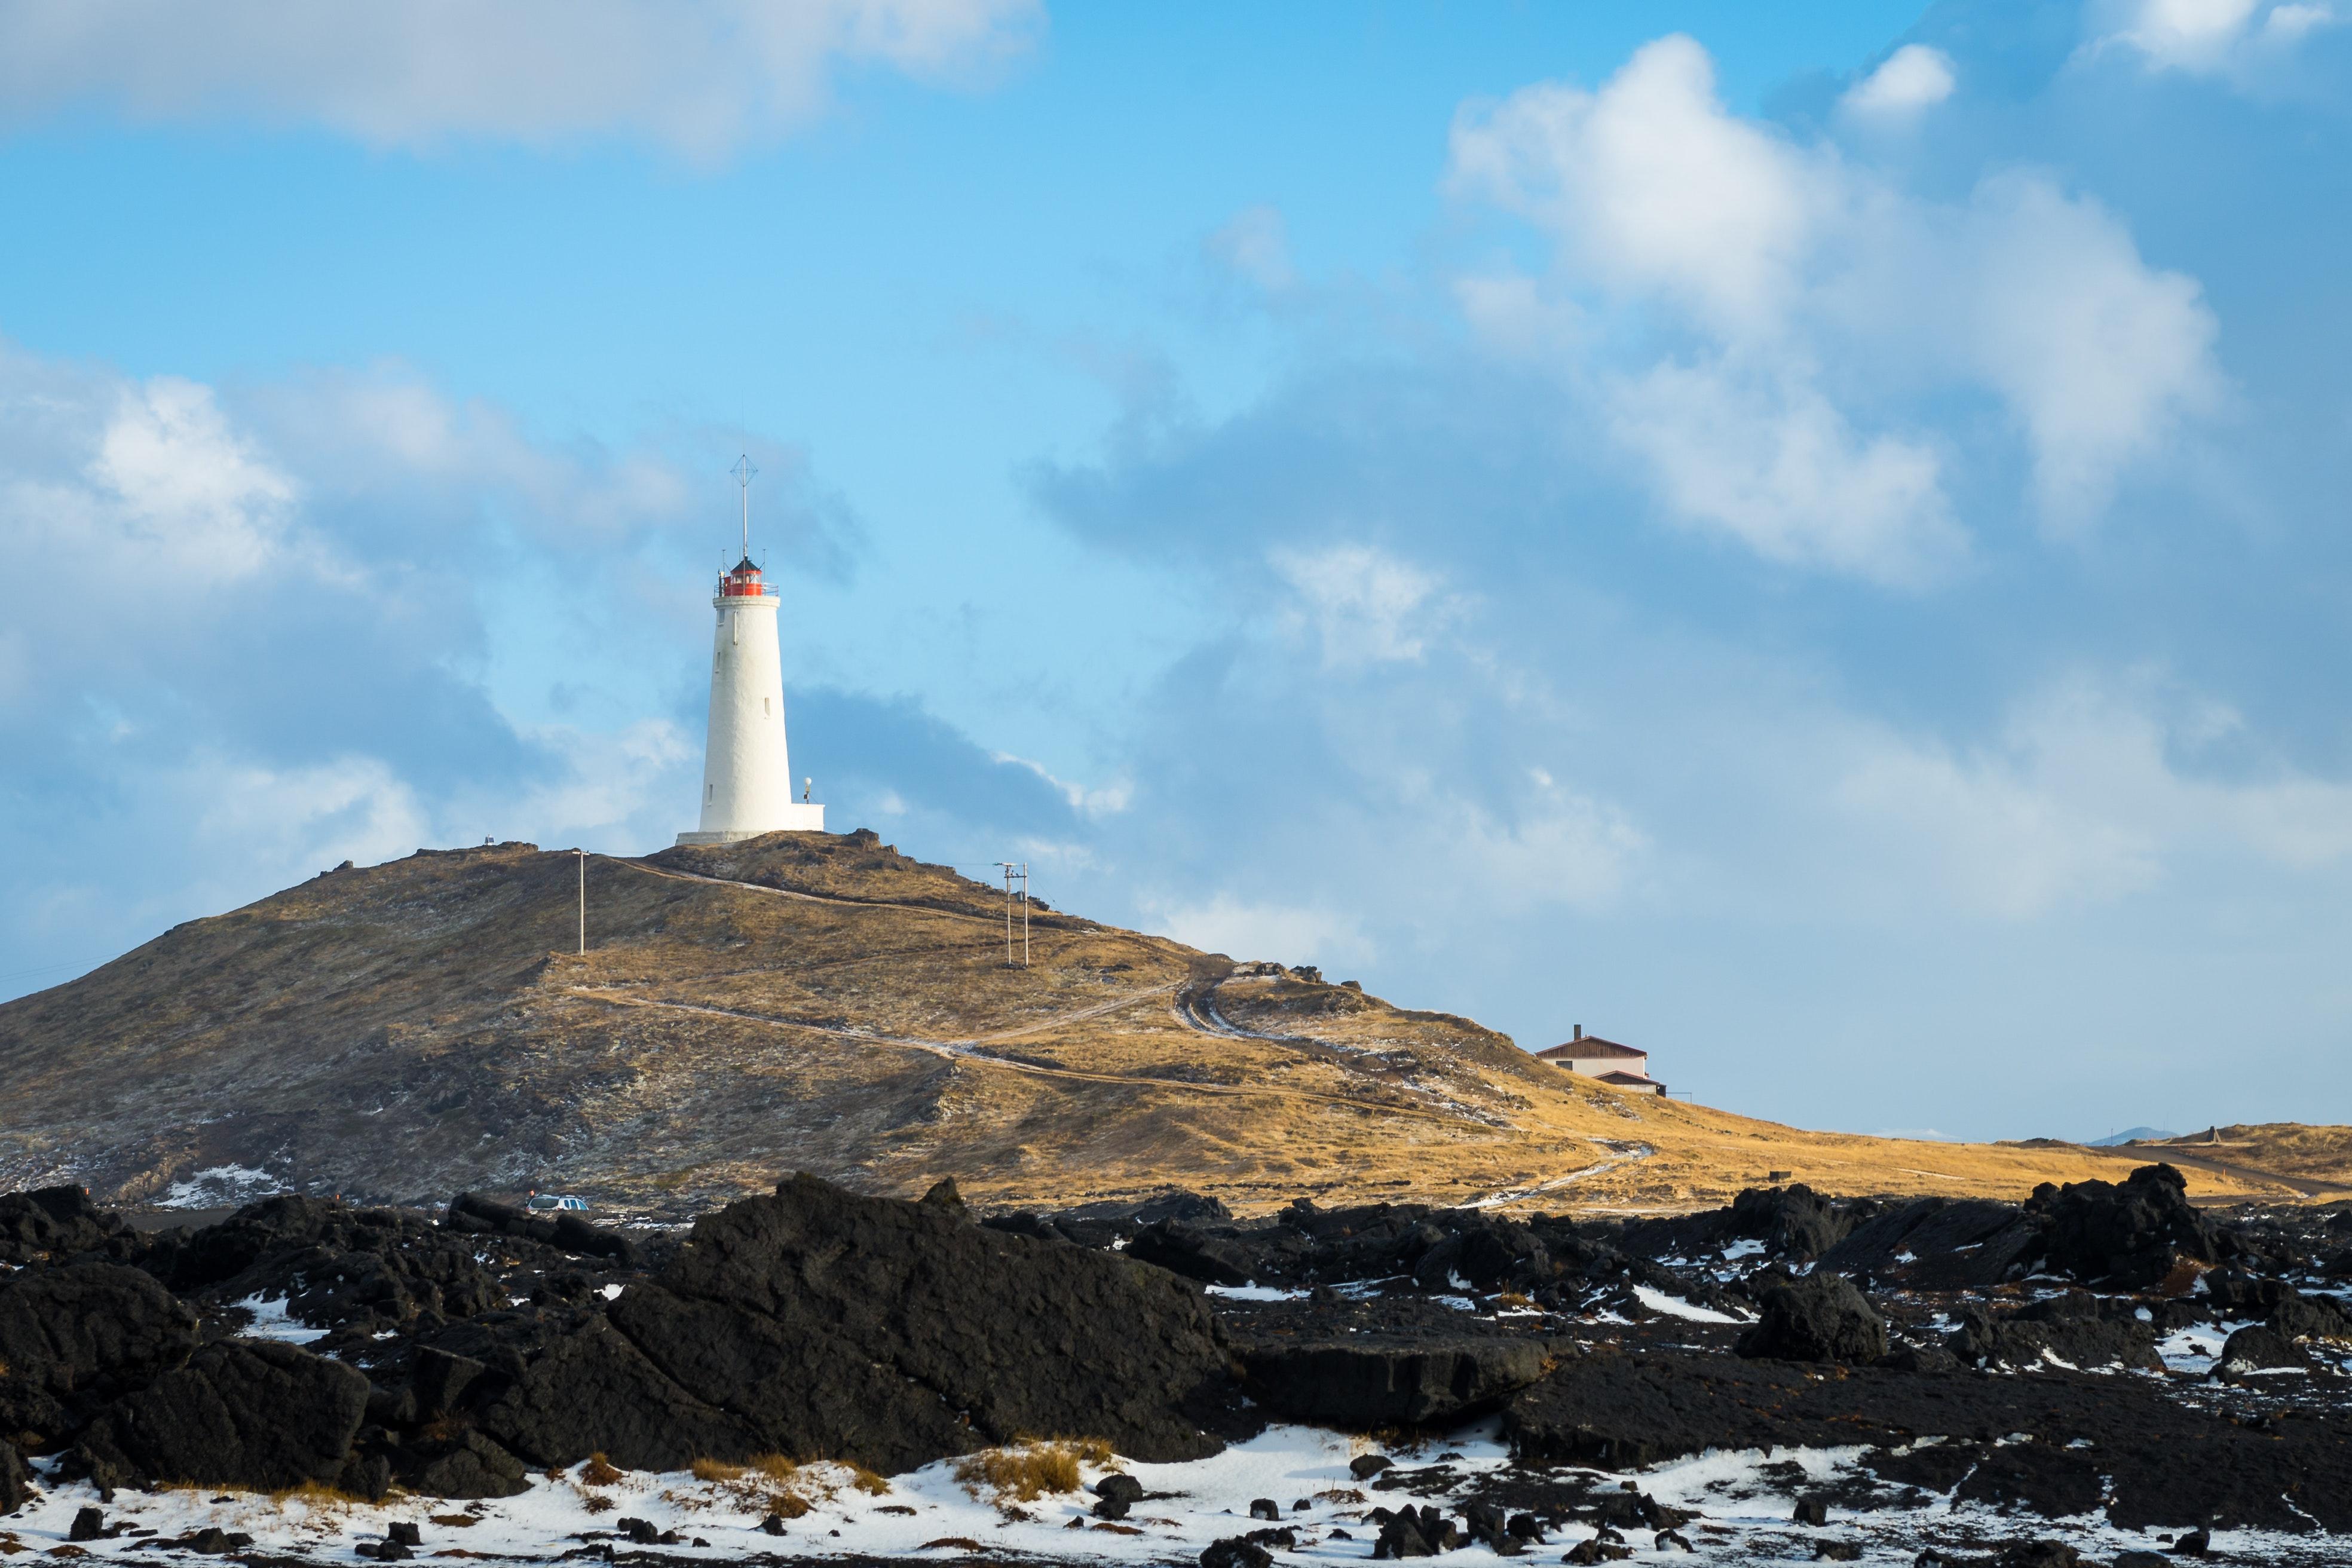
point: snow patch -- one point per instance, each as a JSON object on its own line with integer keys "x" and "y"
{"x": 1676, "y": 1307}
{"x": 220, "y": 1187}
{"x": 270, "y": 1322}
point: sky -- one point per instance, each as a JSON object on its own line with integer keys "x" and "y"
{"x": 1811, "y": 541}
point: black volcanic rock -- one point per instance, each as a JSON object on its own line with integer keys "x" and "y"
{"x": 819, "y": 1323}
{"x": 2133, "y": 1234}
{"x": 2167, "y": 1466}
{"x": 76, "y": 1337}
{"x": 470, "y": 1214}
{"x": 58, "y": 1222}
{"x": 1820, "y": 1318}
{"x": 2079, "y": 1329}
{"x": 242, "y": 1412}
{"x": 1380, "y": 1363}
{"x": 1938, "y": 1243}
{"x": 364, "y": 1268}
{"x": 1196, "y": 1253}
{"x": 16, "y": 1480}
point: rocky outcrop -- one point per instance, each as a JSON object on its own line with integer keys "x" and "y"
{"x": 1820, "y": 1318}
{"x": 994, "y": 1335}
{"x": 16, "y": 1480}
{"x": 2132, "y": 1234}
{"x": 241, "y": 1413}
{"x": 59, "y": 1223}
{"x": 72, "y": 1338}
{"x": 472, "y": 1215}
{"x": 2158, "y": 1464}
{"x": 2078, "y": 1331}
{"x": 1939, "y": 1244}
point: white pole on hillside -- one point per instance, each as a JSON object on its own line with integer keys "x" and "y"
{"x": 583, "y": 900}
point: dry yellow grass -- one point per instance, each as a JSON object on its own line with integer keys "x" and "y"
{"x": 316, "y": 1496}
{"x": 774, "y": 1467}
{"x": 715, "y": 1471}
{"x": 1021, "y": 1472}
{"x": 818, "y": 1002}
{"x": 596, "y": 1470}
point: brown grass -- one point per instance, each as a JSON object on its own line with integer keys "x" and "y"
{"x": 598, "y": 1471}
{"x": 775, "y": 1467}
{"x": 315, "y": 1495}
{"x": 716, "y": 1470}
{"x": 1023, "y": 1472}
{"x": 597, "y": 1502}
{"x": 453, "y": 1521}
{"x": 788, "y": 1505}
{"x": 867, "y": 1481}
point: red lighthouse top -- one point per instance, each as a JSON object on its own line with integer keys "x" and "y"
{"x": 743, "y": 583}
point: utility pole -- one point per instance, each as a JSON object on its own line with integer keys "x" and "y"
{"x": 583, "y": 900}
{"x": 1014, "y": 869}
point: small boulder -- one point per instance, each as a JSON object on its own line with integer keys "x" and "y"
{"x": 1820, "y": 1318}
{"x": 2257, "y": 1348}
{"x": 1234, "y": 1551}
{"x": 1265, "y": 1508}
{"x": 2040, "y": 1554}
{"x": 1189, "y": 1250}
{"x": 1811, "y": 1510}
{"x": 89, "y": 1524}
{"x": 1119, "y": 1486}
{"x": 1364, "y": 1466}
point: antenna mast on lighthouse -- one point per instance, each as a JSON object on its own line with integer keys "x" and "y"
{"x": 743, "y": 470}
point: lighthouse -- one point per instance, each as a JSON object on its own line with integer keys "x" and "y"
{"x": 747, "y": 771}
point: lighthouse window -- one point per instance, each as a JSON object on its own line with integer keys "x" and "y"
{"x": 709, "y": 794}
{"x": 764, "y": 711}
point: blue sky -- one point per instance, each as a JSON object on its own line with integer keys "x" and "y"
{"x": 1812, "y": 542}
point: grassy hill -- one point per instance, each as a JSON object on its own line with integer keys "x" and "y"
{"x": 822, "y": 1002}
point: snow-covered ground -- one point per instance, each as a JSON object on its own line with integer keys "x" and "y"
{"x": 219, "y": 1186}
{"x": 1744, "y": 1501}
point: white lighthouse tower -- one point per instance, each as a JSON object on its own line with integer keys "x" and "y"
{"x": 747, "y": 773}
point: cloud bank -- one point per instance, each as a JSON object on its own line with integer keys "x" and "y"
{"x": 701, "y": 80}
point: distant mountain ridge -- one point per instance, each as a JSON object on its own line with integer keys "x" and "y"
{"x": 2128, "y": 1135}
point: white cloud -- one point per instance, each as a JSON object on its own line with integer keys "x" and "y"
{"x": 1256, "y": 245}
{"x": 1769, "y": 460}
{"x": 1649, "y": 186}
{"x": 1283, "y": 933}
{"x": 2234, "y": 39}
{"x": 700, "y": 80}
{"x": 1913, "y": 77}
{"x": 192, "y": 497}
{"x": 1812, "y": 286}
{"x": 1558, "y": 849}
{"x": 1363, "y": 605}
{"x": 2084, "y": 798}
{"x": 2100, "y": 355}
{"x": 1108, "y": 800}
